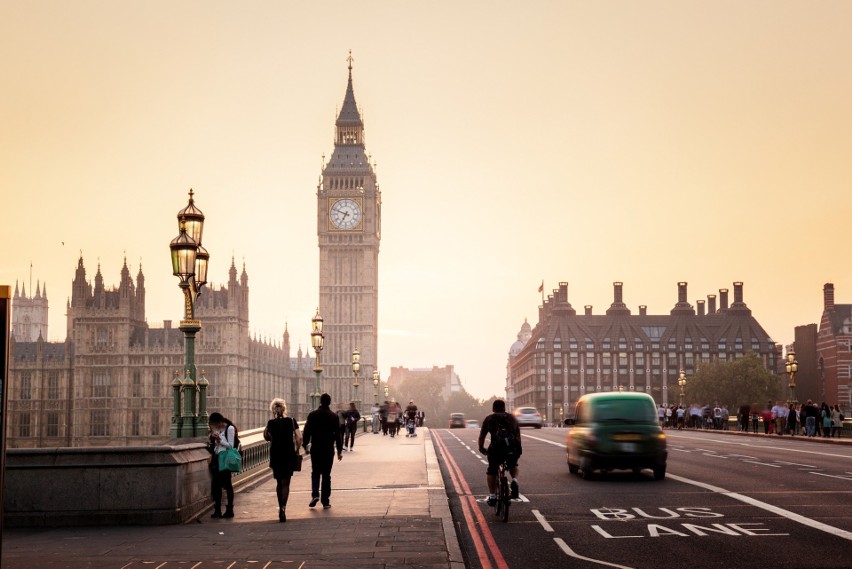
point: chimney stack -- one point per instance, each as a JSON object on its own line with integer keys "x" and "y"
{"x": 588, "y": 308}
{"x": 643, "y": 310}
{"x": 700, "y": 307}
{"x": 828, "y": 296}
{"x": 723, "y": 299}
{"x": 711, "y": 304}
{"x": 738, "y": 293}
{"x": 681, "y": 293}
{"x": 616, "y": 293}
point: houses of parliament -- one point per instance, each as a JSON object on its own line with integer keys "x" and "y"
{"x": 110, "y": 382}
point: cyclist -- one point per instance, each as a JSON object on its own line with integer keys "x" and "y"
{"x": 505, "y": 445}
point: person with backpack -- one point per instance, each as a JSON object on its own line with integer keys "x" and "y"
{"x": 223, "y": 436}
{"x": 505, "y": 445}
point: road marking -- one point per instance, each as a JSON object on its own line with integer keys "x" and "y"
{"x": 761, "y": 463}
{"x": 808, "y": 522}
{"x": 795, "y": 464}
{"x": 554, "y": 443}
{"x": 570, "y": 552}
{"x": 477, "y": 526}
{"x": 846, "y": 456}
{"x": 542, "y": 521}
{"x": 831, "y": 476}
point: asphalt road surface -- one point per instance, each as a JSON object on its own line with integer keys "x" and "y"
{"x": 727, "y": 501}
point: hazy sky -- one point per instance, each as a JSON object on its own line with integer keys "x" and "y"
{"x": 588, "y": 142}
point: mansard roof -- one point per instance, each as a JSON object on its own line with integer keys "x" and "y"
{"x": 837, "y": 316}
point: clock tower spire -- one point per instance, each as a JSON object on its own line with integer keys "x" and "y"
{"x": 349, "y": 233}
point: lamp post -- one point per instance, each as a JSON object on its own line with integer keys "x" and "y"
{"x": 189, "y": 264}
{"x": 356, "y": 368}
{"x": 386, "y": 391}
{"x": 376, "y": 386}
{"x": 681, "y": 381}
{"x": 316, "y": 341}
{"x": 792, "y": 367}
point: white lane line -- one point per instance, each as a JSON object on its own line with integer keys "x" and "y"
{"x": 554, "y": 443}
{"x": 762, "y": 463}
{"x": 570, "y": 552}
{"x": 831, "y": 476}
{"x": 542, "y": 521}
{"x": 733, "y": 443}
{"x": 485, "y": 462}
{"x": 794, "y": 464}
{"x": 808, "y": 522}
{"x": 522, "y": 498}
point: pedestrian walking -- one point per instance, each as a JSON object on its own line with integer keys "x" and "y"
{"x": 792, "y": 419}
{"x": 284, "y": 438}
{"x": 374, "y": 413}
{"x": 321, "y": 436}
{"x": 836, "y": 421}
{"x": 384, "y": 409}
{"x": 353, "y": 416}
{"x": 222, "y": 436}
{"x": 410, "y": 418}
{"x": 825, "y": 417}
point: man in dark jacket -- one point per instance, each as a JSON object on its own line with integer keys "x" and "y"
{"x": 351, "y": 427}
{"x": 322, "y": 433}
{"x": 505, "y": 445}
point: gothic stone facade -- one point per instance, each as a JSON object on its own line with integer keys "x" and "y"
{"x": 109, "y": 382}
{"x": 569, "y": 354}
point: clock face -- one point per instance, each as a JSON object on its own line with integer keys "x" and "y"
{"x": 345, "y": 214}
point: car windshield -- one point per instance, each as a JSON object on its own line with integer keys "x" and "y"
{"x": 624, "y": 410}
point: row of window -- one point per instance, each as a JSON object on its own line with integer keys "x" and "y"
{"x": 99, "y": 424}
{"x": 639, "y": 346}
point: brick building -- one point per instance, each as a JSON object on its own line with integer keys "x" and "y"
{"x": 570, "y": 354}
{"x": 834, "y": 353}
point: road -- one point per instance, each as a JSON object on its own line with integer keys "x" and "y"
{"x": 727, "y": 501}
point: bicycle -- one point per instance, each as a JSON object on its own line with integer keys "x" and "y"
{"x": 504, "y": 496}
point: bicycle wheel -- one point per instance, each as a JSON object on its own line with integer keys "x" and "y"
{"x": 498, "y": 506}
{"x": 505, "y": 497}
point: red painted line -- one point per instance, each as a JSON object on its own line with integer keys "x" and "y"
{"x": 468, "y": 518}
{"x": 474, "y": 507}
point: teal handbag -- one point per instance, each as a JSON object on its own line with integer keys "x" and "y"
{"x": 230, "y": 459}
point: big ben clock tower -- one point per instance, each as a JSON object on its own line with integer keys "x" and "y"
{"x": 349, "y": 230}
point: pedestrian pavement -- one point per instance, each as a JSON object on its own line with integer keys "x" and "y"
{"x": 389, "y": 509}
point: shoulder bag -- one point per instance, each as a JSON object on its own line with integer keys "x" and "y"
{"x": 297, "y": 460}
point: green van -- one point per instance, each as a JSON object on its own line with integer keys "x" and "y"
{"x": 616, "y": 431}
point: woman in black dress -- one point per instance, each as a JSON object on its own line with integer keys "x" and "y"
{"x": 283, "y": 434}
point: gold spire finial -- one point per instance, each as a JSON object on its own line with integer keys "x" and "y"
{"x": 350, "y": 60}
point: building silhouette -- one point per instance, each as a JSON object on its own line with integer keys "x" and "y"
{"x": 834, "y": 352}
{"x": 29, "y": 313}
{"x": 349, "y": 219}
{"x": 110, "y": 382}
{"x": 567, "y": 354}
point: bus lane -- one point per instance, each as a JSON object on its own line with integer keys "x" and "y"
{"x": 626, "y": 520}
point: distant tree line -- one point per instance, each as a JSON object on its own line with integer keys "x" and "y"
{"x": 743, "y": 381}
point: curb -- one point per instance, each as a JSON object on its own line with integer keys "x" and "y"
{"x": 439, "y": 505}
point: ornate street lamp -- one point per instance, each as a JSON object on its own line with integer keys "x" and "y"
{"x": 792, "y": 367}
{"x": 189, "y": 264}
{"x": 356, "y": 368}
{"x": 681, "y": 381}
{"x": 376, "y": 386}
{"x": 316, "y": 341}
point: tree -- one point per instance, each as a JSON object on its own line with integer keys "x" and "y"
{"x": 744, "y": 380}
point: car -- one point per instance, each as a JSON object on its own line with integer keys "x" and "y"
{"x": 616, "y": 431}
{"x": 471, "y": 424}
{"x": 528, "y": 417}
{"x": 457, "y": 421}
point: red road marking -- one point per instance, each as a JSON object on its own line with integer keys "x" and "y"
{"x": 469, "y": 506}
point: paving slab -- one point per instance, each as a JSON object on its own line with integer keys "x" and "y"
{"x": 389, "y": 510}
